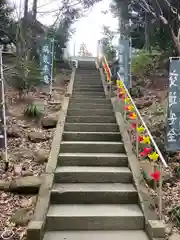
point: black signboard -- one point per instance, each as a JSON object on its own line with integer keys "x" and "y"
{"x": 173, "y": 114}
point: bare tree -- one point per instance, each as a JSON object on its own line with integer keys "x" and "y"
{"x": 168, "y": 13}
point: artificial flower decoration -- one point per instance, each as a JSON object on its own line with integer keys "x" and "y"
{"x": 146, "y": 140}
{"x": 129, "y": 108}
{"x": 121, "y": 91}
{"x": 155, "y": 176}
{"x": 142, "y": 154}
{"x": 132, "y": 116}
{"x": 140, "y": 138}
{"x": 140, "y": 129}
{"x": 134, "y": 125}
{"x": 153, "y": 156}
{"x": 118, "y": 82}
{"x": 126, "y": 100}
{"x": 121, "y": 95}
{"x": 145, "y": 152}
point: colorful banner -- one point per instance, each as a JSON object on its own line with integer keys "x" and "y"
{"x": 124, "y": 59}
{"x": 46, "y": 59}
{"x": 173, "y": 114}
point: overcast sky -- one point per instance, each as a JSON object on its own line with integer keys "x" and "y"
{"x": 88, "y": 29}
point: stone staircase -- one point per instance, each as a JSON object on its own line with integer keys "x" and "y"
{"x": 93, "y": 196}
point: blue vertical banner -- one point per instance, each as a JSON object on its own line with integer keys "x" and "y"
{"x": 173, "y": 113}
{"x": 46, "y": 59}
{"x": 124, "y": 59}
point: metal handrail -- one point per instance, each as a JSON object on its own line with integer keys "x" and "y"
{"x": 144, "y": 125}
{"x": 108, "y": 67}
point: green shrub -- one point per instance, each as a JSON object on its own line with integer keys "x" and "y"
{"x": 175, "y": 215}
{"x": 26, "y": 76}
{"x": 144, "y": 63}
{"x": 31, "y": 110}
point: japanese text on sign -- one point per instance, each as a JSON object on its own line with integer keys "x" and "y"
{"x": 173, "y": 115}
{"x": 46, "y": 60}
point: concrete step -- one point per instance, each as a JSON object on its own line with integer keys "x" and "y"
{"x": 91, "y": 119}
{"x": 88, "y": 174}
{"x": 95, "y": 217}
{"x": 91, "y": 127}
{"x": 84, "y": 85}
{"x": 79, "y": 93}
{"x": 84, "y": 99}
{"x": 89, "y": 112}
{"x": 93, "y": 159}
{"x": 90, "y": 106}
{"x": 86, "y": 89}
{"x": 97, "y": 235}
{"x": 93, "y": 193}
{"x": 92, "y": 136}
{"x": 91, "y": 147}
{"x": 89, "y": 81}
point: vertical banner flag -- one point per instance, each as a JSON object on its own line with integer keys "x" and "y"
{"x": 173, "y": 114}
{"x": 46, "y": 59}
{"x": 124, "y": 55}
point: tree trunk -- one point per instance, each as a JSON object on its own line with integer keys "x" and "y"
{"x": 175, "y": 42}
{"x": 33, "y": 42}
{"x": 174, "y": 39}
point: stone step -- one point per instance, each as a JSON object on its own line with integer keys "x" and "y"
{"x": 93, "y": 193}
{"x": 93, "y": 159}
{"x": 91, "y": 127}
{"x": 97, "y": 235}
{"x": 79, "y": 93}
{"x": 89, "y": 174}
{"x": 89, "y": 112}
{"x": 92, "y": 136}
{"x": 80, "y": 89}
{"x": 86, "y": 82}
{"x": 84, "y": 99}
{"x": 92, "y": 147}
{"x": 94, "y": 217}
{"x": 84, "y": 85}
{"x": 87, "y": 79}
{"x": 91, "y": 119}
{"x": 90, "y": 106}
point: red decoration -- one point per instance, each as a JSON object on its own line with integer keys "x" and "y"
{"x": 134, "y": 125}
{"x": 140, "y": 138}
{"x": 145, "y": 152}
{"x": 155, "y": 176}
{"x": 121, "y": 96}
{"x": 142, "y": 154}
{"x": 126, "y": 108}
